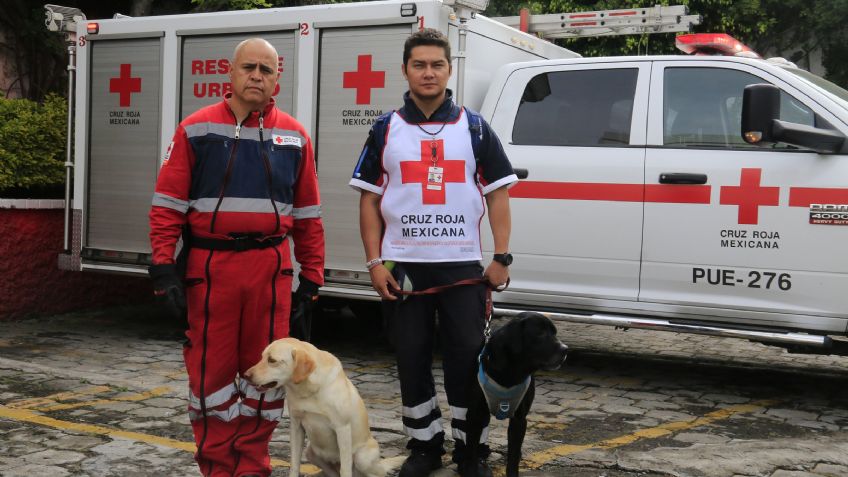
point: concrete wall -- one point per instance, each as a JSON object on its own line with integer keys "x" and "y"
{"x": 30, "y": 281}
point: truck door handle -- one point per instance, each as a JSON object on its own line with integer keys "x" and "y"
{"x": 682, "y": 178}
{"x": 521, "y": 173}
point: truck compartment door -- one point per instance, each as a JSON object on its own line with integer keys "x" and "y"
{"x": 359, "y": 79}
{"x": 123, "y": 144}
{"x": 206, "y": 63}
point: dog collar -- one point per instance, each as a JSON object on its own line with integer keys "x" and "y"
{"x": 502, "y": 401}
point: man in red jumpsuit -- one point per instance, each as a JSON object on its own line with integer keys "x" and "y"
{"x": 241, "y": 176}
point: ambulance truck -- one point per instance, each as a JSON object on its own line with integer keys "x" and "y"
{"x": 340, "y": 65}
{"x": 641, "y": 204}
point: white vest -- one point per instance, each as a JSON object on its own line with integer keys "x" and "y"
{"x": 432, "y": 212}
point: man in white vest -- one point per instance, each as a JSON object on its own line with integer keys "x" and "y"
{"x": 427, "y": 173}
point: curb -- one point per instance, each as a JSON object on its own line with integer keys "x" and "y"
{"x": 32, "y": 204}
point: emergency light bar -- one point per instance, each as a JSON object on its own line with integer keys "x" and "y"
{"x": 713, "y": 44}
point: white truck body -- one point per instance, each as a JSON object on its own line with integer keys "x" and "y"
{"x": 608, "y": 226}
{"x": 138, "y": 77}
{"x": 755, "y": 248}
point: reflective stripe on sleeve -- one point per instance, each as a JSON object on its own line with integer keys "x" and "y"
{"x": 162, "y": 200}
{"x": 310, "y": 212}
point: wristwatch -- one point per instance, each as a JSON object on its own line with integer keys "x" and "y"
{"x": 504, "y": 259}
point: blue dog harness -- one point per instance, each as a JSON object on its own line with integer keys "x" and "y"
{"x": 502, "y": 401}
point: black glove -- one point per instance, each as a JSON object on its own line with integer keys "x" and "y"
{"x": 168, "y": 287}
{"x": 307, "y": 290}
{"x": 300, "y": 324}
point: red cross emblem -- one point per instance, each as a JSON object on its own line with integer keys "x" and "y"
{"x": 363, "y": 79}
{"x": 749, "y": 196}
{"x": 125, "y": 85}
{"x": 278, "y": 139}
{"x": 418, "y": 171}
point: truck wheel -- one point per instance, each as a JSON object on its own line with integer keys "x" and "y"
{"x": 367, "y": 311}
{"x": 373, "y": 314}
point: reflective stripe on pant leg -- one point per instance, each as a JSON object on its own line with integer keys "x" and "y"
{"x": 422, "y": 422}
{"x": 461, "y": 321}
{"x": 211, "y": 361}
{"x": 221, "y": 404}
{"x": 202, "y": 441}
{"x": 414, "y": 334}
{"x": 272, "y": 402}
{"x": 265, "y": 319}
{"x": 458, "y": 419}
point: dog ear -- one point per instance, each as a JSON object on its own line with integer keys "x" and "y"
{"x": 303, "y": 366}
{"x": 505, "y": 345}
{"x": 515, "y": 344}
{"x": 496, "y": 354}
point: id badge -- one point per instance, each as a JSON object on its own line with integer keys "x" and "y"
{"x": 434, "y": 178}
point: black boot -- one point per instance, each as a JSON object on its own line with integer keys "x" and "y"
{"x": 420, "y": 463}
{"x": 482, "y": 468}
{"x": 464, "y": 467}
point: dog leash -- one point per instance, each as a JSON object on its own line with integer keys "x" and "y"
{"x": 487, "y": 330}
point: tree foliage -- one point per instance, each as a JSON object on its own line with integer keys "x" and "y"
{"x": 30, "y": 53}
{"x": 32, "y": 142}
{"x": 795, "y": 29}
{"x": 36, "y": 59}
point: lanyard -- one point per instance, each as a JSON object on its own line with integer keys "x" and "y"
{"x": 433, "y": 147}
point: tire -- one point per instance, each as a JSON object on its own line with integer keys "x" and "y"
{"x": 367, "y": 311}
{"x": 371, "y": 313}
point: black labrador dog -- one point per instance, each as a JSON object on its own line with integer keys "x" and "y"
{"x": 514, "y": 352}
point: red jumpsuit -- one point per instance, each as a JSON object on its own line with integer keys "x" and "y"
{"x": 227, "y": 181}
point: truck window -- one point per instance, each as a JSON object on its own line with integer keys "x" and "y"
{"x": 702, "y": 107}
{"x": 577, "y": 108}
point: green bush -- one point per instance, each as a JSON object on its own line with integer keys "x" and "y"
{"x": 32, "y": 143}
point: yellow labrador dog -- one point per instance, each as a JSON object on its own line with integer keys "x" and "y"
{"x": 323, "y": 402}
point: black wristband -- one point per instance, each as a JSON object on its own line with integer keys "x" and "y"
{"x": 504, "y": 259}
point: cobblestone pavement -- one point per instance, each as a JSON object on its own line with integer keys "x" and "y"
{"x": 102, "y": 394}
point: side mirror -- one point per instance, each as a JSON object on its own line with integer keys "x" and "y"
{"x": 760, "y": 107}
{"x": 761, "y": 124}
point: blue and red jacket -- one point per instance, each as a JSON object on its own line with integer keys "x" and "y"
{"x": 223, "y": 178}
